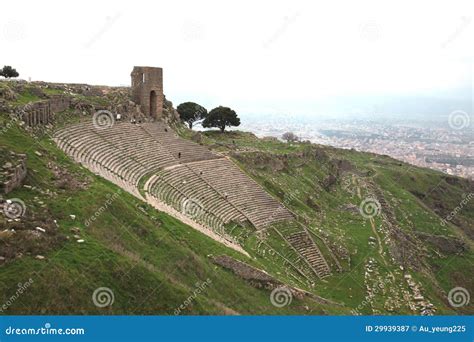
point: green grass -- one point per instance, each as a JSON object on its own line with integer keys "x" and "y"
{"x": 25, "y": 97}
{"x": 154, "y": 263}
{"x": 53, "y": 91}
{"x": 151, "y": 261}
{"x": 299, "y": 184}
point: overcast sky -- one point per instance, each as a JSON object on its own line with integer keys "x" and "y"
{"x": 255, "y": 56}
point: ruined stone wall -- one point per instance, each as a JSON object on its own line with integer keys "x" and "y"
{"x": 147, "y": 90}
{"x": 59, "y": 103}
{"x": 37, "y": 113}
{"x": 13, "y": 173}
{"x": 42, "y": 112}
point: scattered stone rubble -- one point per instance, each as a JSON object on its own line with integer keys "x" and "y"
{"x": 32, "y": 234}
{"x": 65, "y": 180}
{"x": 392, "y": 292}
{"x": 418, "y": 302}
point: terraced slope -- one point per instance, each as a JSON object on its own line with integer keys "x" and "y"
{"x": 200, "y": 187}
{"x": 151, "y": 262}
{"x": 380, "y": 223}
{"x": 404, "y": 257}
{"x": 299, "y": 239}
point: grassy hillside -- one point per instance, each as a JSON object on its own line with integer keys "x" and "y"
{"x": 152, "y": 262}
{"x": 326, "y": 187}
{"x": 95, "y": 235}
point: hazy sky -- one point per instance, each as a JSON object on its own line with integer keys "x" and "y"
{"x": 255, "y": 56}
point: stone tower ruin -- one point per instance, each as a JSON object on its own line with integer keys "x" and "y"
{"x": 147, "y": 90}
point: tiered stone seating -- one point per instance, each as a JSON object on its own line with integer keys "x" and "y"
{"x": 85, "y": 146}
{"x": 217, "y": 190}
{"x": 147, "y": 155}
{"x": 196, "y": 189}
{"x": 288, "y": 255}
{"x": 302, "y": 242}
{"x": 96, "y": 154}
{"x": 130, "y": 152}
{"x": 122, "y": 149}
{"x": 243, "y": 192}
{"x": 187, "y": 193}
{"x": 186, "y": 150}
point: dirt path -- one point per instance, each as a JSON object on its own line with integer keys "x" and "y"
{"x": 379, "y": 241}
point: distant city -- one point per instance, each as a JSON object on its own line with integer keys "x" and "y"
{"x": 436, "y": 143}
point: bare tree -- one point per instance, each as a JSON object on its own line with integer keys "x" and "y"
{"x": 290, "y": 137}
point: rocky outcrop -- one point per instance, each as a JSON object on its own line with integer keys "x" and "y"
{"x": 444, "y": 244}
{"x": 260, "y": 279}
{"x": 256, "y": 277}
{"x": 170, "y": 114}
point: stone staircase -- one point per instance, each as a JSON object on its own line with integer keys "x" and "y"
{"x": 301, "y": 241}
